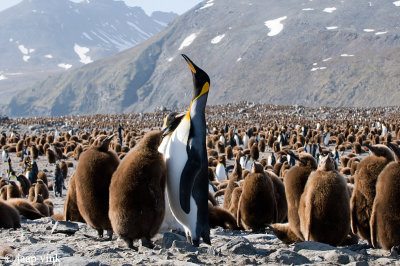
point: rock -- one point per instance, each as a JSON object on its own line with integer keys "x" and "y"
{"x": 79, "y": 261}
{"x": 336, "y": 256}
{"x": 239, "y": 245}
{"x": 287, "y": 257}
{"x": 64, "y": 227}
{"x": 168, "y": 238}
{"x": 310, "y": 245}
{"x": 42, "y": 254}
{"x": 183, "y": 246}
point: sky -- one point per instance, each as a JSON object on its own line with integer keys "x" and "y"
{"x": 177, "y": 6}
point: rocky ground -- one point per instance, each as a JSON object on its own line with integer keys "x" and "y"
{"x": 47, "y": 242}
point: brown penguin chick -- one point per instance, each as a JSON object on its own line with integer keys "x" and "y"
{"x": 9, "y": 216}
{"x": 49, "y": 204}
{"x": 42, "y": 176}
{"x": 385, "y": 217}
{"x": 220, "y": 217}
{"x": 228, "y": 152}
{"x": 295, "y": 181}
{"x": 34, "y": 152}
{"x": 212, "y": 199}
{"x": 365, "y": 188}
{"x": 285, "y": 233}
{"x": 25, "y": 208}
{"x": 280, "y": 197}
{"x": 324, "y": 205}
{"x": 137, "y": 200}
{"x": 64, "y": 169}
{"x": 233, "y": 178}
{"x": 3, "y": 182}
{"x": 41, "y": 189}
{"x": 24, "y": 184}
{"x": 3, "y": 193}
{"x": 51, "y": 156}
{"x": 31, "y": 193}
{"x": 257, "y": 205}
{"x": 237, "y": 192}
{"x": 13, "y": 190}
{"x": 92, "y": 181}
{"x": 40, "y": 205}
{"x": 71, "y": 211}
{"x": 261, "y": 145}
{"x": 220, "y": 147}
{"x": 254, "y": 152}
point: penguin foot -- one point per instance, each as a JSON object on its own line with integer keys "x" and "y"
{"x": 394, "y": 251}
{"x": 145, "y": 242}
{"x": 206, "y": 239}
{"x": 109, "y": 235}
{"x": 100, "y": 233}
{"x": 129, "y": 243}
{"x": 196, "y": 242}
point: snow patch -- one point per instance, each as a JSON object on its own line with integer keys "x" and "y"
{"x": 2, "y": 77}
{"x": 346, "y": 55}
{"x": 188, "y": 41}
{"x": 160, "y": 22}
{"x": 327, "y": 59}
{"x": 396, "y": 3}
{"x": 317, "y": 68}
{"x": 315, "y": 64}
{"x": 81, "y": 52}
{"x": 23, "y": 49}
{"x": 11, "y": 40}
{"x": 239, "y": 59}
{"x": 308, "y": 9}
{"x": 65, "y": 66}
{"x": 138, "y": 29}
{"x": 329, "y": 9}
{"x": 208, "y": 4}
{"x": 26, "y": 58}
{"x": 275, "y": 26}
{"x": 380, "y": 32}
{"x": 332, "y": 28}
{"x": 170, "y": 59}
{"x": 217, "y": 39}
{"x": 87, "y": 36}
{"x": 368, "y": 30}
{"x": 49, "y": 56}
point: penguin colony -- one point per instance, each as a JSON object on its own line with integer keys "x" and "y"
{"x": 358, "y": 164}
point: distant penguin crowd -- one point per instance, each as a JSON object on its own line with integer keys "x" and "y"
{"x": 304, "y": 174}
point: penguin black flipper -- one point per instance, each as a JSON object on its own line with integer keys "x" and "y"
{"x": 189, "y": 174}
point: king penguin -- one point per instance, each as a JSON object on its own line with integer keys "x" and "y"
{"x": 187, "y": 165}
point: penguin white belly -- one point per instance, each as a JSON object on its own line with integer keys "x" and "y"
{"x": 245, "y": 141}
{"x": 222, "y": 139}
{"x": 170, "y": 222}
{"x": 176, "y": 149}
{"x": 220, "y": 172}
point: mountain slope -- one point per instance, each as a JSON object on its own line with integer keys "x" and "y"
{"x": 315, "y": 53}
{"x": 41, "y": 37}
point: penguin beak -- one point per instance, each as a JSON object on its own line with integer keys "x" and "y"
{"x": 192, "y": 66}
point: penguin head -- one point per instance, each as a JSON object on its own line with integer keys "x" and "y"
{"x": 381, "y": 150}
{"x": 102, "y": 142}
{"x": 201, "y": 81}
{"x": 327, "y": 164}
{"x": 171, "y": 122}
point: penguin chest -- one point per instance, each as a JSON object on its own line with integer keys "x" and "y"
{"x": 220, "y": 172}
{"x": 176, "y": 158}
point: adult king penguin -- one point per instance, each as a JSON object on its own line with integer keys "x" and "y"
{"x": 187, "y": 165}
